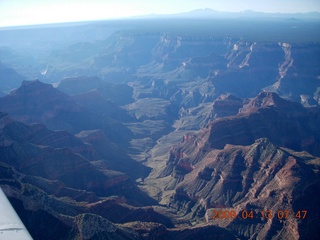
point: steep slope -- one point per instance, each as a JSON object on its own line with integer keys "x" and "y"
{"x": 193, "y": 67}
{"x": 111, "y": 155}
{"x": 37, "y": 102}
{"x": 81, "y": 214}
{"x": 298, "y": 72}
{"x": 39, "y": 210}
{"x": 48, "y": 181}
{"x": 240, "y": 163}
{"x": 190, "y": 70}
{"x": 24, "y": 148}
{"x": 198, "y": 117}
{"x": 254, "y": 178}
{"x": 38, "y": 134}
{"x": 149, "y": 84}
{"x": 9, "y": 79}
{"x": 285, "y": 123}
{"x": 251, "y": 66}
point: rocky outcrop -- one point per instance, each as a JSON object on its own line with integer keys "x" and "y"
{"x": 61, "y": 187}
{"x": 244, "y": 162}
{"x": 92, "y": 226}
{"x": 198, "y": 117}
{"x": 253, "y": 178}
{"x": 20, "y": 148}
{"x": 113, "y": 156}
{"x": 70, "y": 218}
{"x": 189, "y": 75}
{"x": 227, "y": 105}
{"x": 152, "y": 108}
{"x": 37, "y": 102}
{"x": 38, "y": 134}
{"x": 118, "y": 210}
{"x": 285, "y": 123}
{"x": 88, "y": 216}
{"x": 147, "y": 88}
{"x": 298, "y": 72}
{"x": 148, "y": 230}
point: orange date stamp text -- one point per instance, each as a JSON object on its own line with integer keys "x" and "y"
{"x": 263, "y": 214}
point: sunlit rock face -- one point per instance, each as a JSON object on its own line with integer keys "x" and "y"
{"x": 223, "y": 65}
{"x": 285, "y": 123}
{"x": 144, "y": 133}
{"x": 247, "y": 161}
{"x": 254, "y": 178}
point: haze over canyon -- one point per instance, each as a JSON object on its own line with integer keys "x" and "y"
{"x": 146, "y": 128}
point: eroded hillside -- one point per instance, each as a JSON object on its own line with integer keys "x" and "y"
{"x": 148, "y": 133}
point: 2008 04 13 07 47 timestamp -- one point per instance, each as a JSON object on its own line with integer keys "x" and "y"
{"x": 263, "y": 214}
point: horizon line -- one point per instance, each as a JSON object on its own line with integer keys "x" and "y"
{"x": 155, "y": 15}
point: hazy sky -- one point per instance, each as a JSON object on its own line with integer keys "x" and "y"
{"x": 25, "y": 12}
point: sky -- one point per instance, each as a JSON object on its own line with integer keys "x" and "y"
{"x": 29, "y": 12}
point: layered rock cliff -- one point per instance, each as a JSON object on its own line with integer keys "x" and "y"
{"x": 254, "y": 178}
{"x": 95, "y": 151}
{"x": 256, "y": 160}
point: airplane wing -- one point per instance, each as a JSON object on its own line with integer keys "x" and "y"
{"x": 11, "y": 227}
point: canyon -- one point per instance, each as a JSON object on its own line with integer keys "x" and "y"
{"x": 144, "y": 131}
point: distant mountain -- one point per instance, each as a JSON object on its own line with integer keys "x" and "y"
{"x": 9, "y": 79}
{"x": 145, "y": 134}
{"x": 210, "y": 13}
{"x": 37, "y": 102}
